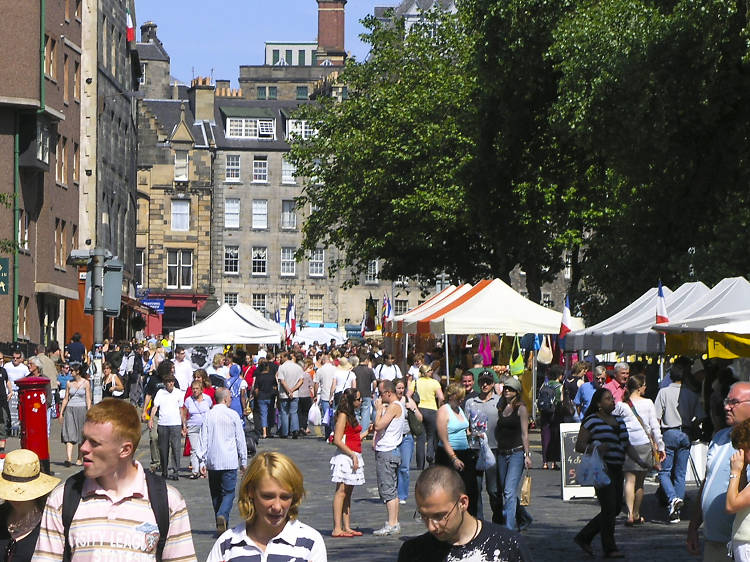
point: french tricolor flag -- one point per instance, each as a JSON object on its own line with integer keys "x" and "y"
{"x": 566, "y": 325}
{"x": 290, "y": 322}
{"x": 661, "y": 306}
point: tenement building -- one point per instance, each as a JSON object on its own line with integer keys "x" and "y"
{"x": 40, "y": 103}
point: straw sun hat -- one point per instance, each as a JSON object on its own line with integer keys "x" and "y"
{"x": 22, "y": 479}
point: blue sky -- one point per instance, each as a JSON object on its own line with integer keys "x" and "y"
{"x": 201, "y": 36}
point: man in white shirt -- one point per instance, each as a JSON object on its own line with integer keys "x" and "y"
{"x": 326, "y": 376}
{"x": 388, "y": 370}
{"x": 389, "y": 422}
{"x": 168, "y": 402}
{"x": 16, "y": 369}
{"x": 183, "y": 369}
{"x": 289, "y": 378}
{"x": 225, "y": 452}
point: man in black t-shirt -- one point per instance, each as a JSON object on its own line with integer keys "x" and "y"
{"x": 365, "y": 380}
{"x": 453, "y": 534}
{"x": 153, "y": 385}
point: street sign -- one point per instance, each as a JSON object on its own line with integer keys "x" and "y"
{"x": 157, "y": 305}
{"x": 4, "y": 270}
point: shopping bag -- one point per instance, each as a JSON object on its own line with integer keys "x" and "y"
{"x": 486, "y": 458}
{"x": 517, "y": 365}
{"x": 591, "y": 471}
{"x": 313, "y": 416}
{"x": 526, "y": 489}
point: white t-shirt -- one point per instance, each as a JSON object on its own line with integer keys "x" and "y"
{"x": 169, "y": 404}
{"x": 16, "y": 372}
{"x": 344, "y": 379}
{"x": 183, "y": 372}
{"x": 326, "y": 374}
{"x": 385, "y": 373}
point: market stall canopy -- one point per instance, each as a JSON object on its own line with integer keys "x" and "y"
{"x": 492, "y": 307}
{"x": 629, "y": 330}
{"x": 396, "y": 324}
{"x": 225, "y": 326}
{"x": 409, "y": 324}
{"x": 256, "y": 318}
{"x": 727, "y": 298}
{"x": 321, "y": 335}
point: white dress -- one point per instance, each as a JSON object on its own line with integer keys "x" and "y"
{"x": 342, "y": 468}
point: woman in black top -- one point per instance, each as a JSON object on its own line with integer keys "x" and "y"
{"x": 608, "y": 431}
{"x": 264, "y": 389}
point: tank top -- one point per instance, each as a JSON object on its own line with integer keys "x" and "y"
{"x": 508, "y": 431}
{"x": 77, "y": 397}
{"x": 352, "y": 437}
{"x": 391, "y": 436}
{"x": 457, "y": 430}
{"x": 741, "y": 525}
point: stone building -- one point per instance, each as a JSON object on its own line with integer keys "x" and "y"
{"x": 107, "y": 199}
{"x": 40, "y": 103}
{"x": 175, "y": 160}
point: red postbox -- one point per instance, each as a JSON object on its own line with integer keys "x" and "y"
{"x": 33, "y": 394}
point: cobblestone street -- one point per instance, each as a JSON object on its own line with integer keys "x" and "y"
{"x": 549, "y": 537}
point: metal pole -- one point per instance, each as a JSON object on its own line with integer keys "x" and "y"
{"x": 447, "y": 362}
{"x": 97, "y": 293}
{"x": 533, "y": 388}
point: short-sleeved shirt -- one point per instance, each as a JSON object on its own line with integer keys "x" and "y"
{"x": 492, "y": 543}
{"x": 290, "y": 373}
{"x": 169, "y": 404}
{"x": 484, "y": 410}
{"x": 427, "y": 388}
{"x": 677, "y": 405}
{"x": 76, "y": 351}
{"x": 265, "y": 383}
{"x": 584, "y": 395}
{"x": 296, "y": 541}
{"x": 365, "y": 377}
{"x": 616, "y": 389}
{"x": 108, "y": 528}
{"x": 717, "y": 523}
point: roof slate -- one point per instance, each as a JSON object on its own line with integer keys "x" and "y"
{"x": 151, "y": 51}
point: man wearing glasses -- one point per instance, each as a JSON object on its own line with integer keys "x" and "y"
{"x": 452, "y": 533}
{"x": 587, "y": 389}
{"x": 16, "y": 368}
{"x": 710, "y": 508}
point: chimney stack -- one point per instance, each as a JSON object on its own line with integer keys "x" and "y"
{"x": 331, "y": 19}
{"x": 148, "y": 33}
{"x": 201, "y": 96}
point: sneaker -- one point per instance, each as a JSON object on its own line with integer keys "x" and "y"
{"x": 674, "y": 510}
{"x": 388, "y": 530}
{"x": 221, "y": 524}
{"x": 402, "y": 502}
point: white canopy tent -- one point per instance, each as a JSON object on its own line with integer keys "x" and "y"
{"x": 409, "y": 323}
{"x": 725, "y": 303}
{"x": 256, "y": 318}
{"x": 225, "y": 326}
{"x": 492, "y": 307}
{"x": 629, "y": 330}
{"x": 730, "y": 323}
{"x": 321, "y": 335}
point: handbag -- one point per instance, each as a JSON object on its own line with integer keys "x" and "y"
{"x": 415, "y": 426}
{"x": 592, "y": 471}
{"x": 544, "y": 355}
{"x": 525, "y": 496}
{"x": 516, "y": 365}
{"x": 654, "y": 449}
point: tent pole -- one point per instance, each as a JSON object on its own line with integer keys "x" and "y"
{"x": 533, "y": 387}
{"x": 447, "y": 361}
{"x": 406, "y": 347}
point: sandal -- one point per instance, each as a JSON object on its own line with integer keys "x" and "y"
{"x": 640, "y": 521}
{"x": 343, "y": 535}
{"x": 353, "y": 533}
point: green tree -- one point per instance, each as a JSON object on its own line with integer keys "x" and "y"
{"x": 384, "y": 166}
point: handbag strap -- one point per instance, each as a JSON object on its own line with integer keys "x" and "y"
{"x": 643, "y": 425}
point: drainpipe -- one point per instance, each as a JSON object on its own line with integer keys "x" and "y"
{"x": 42, "y": 25}
{"x": 16, "y": 217}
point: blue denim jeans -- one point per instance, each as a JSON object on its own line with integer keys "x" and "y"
{"x": 264, "y": 406}
{"x": 364, "y": 412}
{"x": 221, "y": 484}
{"x": 405, "y": 450}
{"x": 496, "y": 502}
{"x": 324, "y": 407}
{"x": 674, "y": 467}
{"x": 509, "y": 471}
{"x": 289, "y": 408}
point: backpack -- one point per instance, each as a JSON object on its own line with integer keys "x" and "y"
{"x": 546, "y": 400}
{"x": 157, "y": 496}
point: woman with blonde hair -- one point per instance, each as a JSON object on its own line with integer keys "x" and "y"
{"x": 453, "y": 448}
{"x": 269, "y": 498}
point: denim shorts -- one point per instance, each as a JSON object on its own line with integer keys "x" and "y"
{"x": 386, "y": 470}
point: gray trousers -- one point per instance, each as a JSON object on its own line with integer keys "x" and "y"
{"x": 169, "y": 442}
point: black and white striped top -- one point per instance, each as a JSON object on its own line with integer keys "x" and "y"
{"x": 297, "y": 542}
{"x": 615, "y": 439}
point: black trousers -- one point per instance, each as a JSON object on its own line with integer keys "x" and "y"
{"x": 303, "y": 409}
{"x": 468, "y": 474}
{"x": 610, "y": 502}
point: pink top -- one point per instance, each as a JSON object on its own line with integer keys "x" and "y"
{"x": 617, "y": 391}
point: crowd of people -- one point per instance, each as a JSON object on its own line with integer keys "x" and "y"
{"x": 216, "y": 415}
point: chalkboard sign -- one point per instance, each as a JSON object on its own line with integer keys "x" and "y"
{"x": 570, "y": 462}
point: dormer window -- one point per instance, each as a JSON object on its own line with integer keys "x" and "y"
{"x": 300, "y": 128}
{"x": 250, "y": 128}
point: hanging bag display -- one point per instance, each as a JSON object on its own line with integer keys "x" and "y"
{"x": 544, "y": 355}
{"x": 516, "y": 363}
